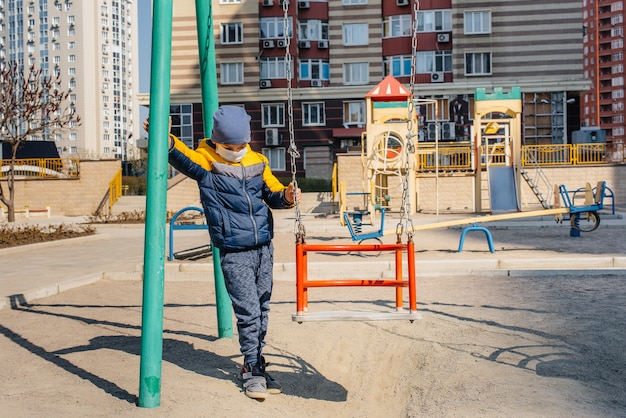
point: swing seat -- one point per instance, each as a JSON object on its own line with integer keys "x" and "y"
{"x": 303, "y": 284}
{"x": 355, "y": 316}
{"x": 363, "y": 236}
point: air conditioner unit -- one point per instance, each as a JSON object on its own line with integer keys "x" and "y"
{"x": 322, "y": 44}
{"x": 268, "y": 2}
{"x": 448, "y": 131}
{"x": 402, "y": 2}
{"x": 436, "y": 77}
{"x": 271, "y": 137}
{"x": 268, "y": 44}
{"x": 316, "y": 83}
{"x": 443, "y": 37}
{"x": 264, "y": 84}
{"x": 281, "y": 43}
{"x": 304, "y": 4}
{"x": 432, "y": 131}
{"x": 304, "y": 44}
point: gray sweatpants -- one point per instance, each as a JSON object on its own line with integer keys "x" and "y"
{"x": 248, "y": 279}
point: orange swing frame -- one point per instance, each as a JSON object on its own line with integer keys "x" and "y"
{"x": 303, "y": 284}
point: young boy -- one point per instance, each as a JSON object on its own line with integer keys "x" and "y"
{"x": 237, "y": 190}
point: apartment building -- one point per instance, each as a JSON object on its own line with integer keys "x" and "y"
{"x": 603, "y": 104}
{"x": 92, "y": 45}
{"x": 341, "y": 49}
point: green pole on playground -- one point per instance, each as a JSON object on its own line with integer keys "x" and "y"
{"x": 154, "y": 245}
{"x": 210, "y": 103}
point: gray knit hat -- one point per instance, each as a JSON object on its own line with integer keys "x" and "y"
{"x": 231, "y": 125}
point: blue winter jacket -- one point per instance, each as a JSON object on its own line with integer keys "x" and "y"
{"x": 235, "y": 196}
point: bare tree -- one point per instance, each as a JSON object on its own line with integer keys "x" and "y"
{"x": 32, "y": 105}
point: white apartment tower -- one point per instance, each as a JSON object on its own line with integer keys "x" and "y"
{"x": 93, "y": 46}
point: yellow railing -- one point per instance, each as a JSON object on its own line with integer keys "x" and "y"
{"x": 450, "y": 158}
{"x": 589, "y": 154}
{"x": 555, "y": 154}
{"x": 460, "y": 157}
{"x": 42, "y": 167}
{"x": 115, "y": 189}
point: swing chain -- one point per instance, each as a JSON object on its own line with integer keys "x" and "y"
{"x": 298, "y": 230}
{"x": 405, "y": 223}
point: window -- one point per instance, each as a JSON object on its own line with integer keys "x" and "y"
{"x": 313, "y": 114}
{"x": 73, "y": 136}
{"x": 182, "y": 123}
{"x": 71, "y": 58}
{"x": 434, "y": 21}
{"x": 273, "y": 67}
{"x": 276, "y": 157}
{"x": 231, "y": 72}
{"x": 478, "y": 63}
{"x": 314, "y": 69}
{"x": 433, "y": 61}
{"x": 274, "y": 28}
{"x": 354, "y": 113}
{"x": 232, "y": 33}
{"x": 394, "y": 26}
{"x": 71, "y": 45}
{"x": 272, "y": 115}
{"x": 71, "y": 71}
{"x": 312, "y": 30}
{"x": 356, "y": 73}
{"x": 477, "y": 22}
{"x": 397, "y": 66}
{"x": 355, "y": 34}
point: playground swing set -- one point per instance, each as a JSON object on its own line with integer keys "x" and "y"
{"x": 152, "y": 303}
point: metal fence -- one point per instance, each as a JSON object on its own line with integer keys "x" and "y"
{"x": 42, "y": 167}
{"x": 459, "y": 157}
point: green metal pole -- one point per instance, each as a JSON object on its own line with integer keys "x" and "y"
{"x": 210, "y": 103}
{"x": 154, "y": 246}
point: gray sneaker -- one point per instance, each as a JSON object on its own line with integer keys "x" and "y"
{"x": 254, "y": 383}
{"x": 272, "y": 385}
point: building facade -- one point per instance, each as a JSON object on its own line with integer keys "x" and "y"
{"x": 340, "y": 49}
{"x": 93, "y": 46}
{"x": 603, "y": 104}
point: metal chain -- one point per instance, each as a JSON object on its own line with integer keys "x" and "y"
{"x": 405, "y": 222}
{"x": 298, "y": 228}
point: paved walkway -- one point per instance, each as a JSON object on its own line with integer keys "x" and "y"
{"x": 116, "y": 252}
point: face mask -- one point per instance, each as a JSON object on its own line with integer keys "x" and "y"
{"x": 229, "y": 155}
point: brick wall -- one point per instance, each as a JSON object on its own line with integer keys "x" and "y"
{"x": 456, "y": 193}
{"x": 69, "y": 197}
{"x": 80, "y": 197}
{"x": 182, "y": 192}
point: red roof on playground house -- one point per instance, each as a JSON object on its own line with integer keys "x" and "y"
{"x": 389, "y": 90}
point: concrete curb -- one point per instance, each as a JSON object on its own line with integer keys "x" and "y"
{"x": 45, "y": 291}
{"x": 367, "y": 270}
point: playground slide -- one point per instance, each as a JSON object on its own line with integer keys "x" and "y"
{"x": 502, "y": 190}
